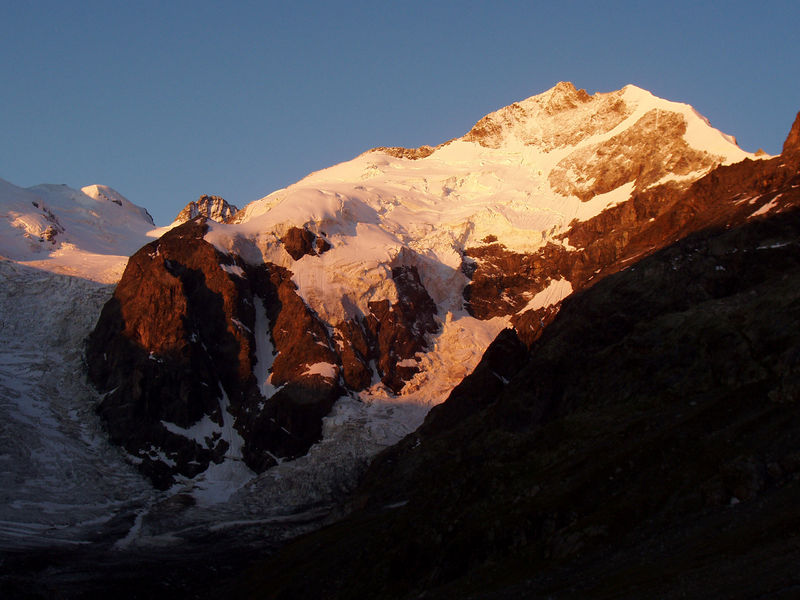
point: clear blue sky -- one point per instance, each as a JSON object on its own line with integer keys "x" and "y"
{"x": 165, "y": 101}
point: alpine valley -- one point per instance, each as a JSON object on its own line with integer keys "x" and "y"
{"x": 558, "y": 356}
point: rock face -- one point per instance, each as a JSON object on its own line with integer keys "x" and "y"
{"x": 175, "y": 352}
{"x": 387, "y": 277}
{"x": 167, "y": 351}
{"x": 622, "y": 234}
{"x": 410, "y": 153}
{"x": 299, "y": 242}
{"x": 398, "y": 331}
{"x": 635, "y": 158}
{"x": 206, "y": 360}
{"x": 215, "y": 208}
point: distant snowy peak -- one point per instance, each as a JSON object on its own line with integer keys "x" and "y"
{"x": 215, "y": 208}
{"x": 87, "y": 233}
{"x": 107, "y": 194}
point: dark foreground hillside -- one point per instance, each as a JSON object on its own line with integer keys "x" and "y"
{"x": 649, "y": 446}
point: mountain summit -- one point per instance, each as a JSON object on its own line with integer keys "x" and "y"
{"x": 215, "y": 208}
{"x": 373, "y": 287}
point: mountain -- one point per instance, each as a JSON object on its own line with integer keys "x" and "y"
{"x": 89, "y": 233}
{"x": 608, "y": 375}
{"x": 643, "y": 446}
{"x": 215, "y": 208}
{"x": 381, "y": 281}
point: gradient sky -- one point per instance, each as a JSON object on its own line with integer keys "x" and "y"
{"x": 165, "y": 101}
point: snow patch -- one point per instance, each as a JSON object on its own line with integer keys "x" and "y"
{"x": 234, "y": 270}
{"x": 769, "y": 206}
{"x": 220, "y": 481}
{"x": 601, "y": 202}
{"x": 202, "y": 432}
{"x": 265, "y": 351}
{"x": 325, "y": 369}
{"x": 555, "y": 292}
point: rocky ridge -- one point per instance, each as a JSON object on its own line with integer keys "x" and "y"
{"x": 215, "y": 208}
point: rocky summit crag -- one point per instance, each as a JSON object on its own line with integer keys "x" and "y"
{"x": 215, "y": 208}
{"x": 385, "y": 278}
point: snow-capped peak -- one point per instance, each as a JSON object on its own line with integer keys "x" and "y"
{"x": 564, "y": 116}
{"x": 108, "y": 194}
{"x": 522, "y": 173}
{"x": 89, "y": 232}
{"x": 521, "y": 176}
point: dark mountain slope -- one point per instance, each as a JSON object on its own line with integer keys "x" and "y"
{"x": 647, "y": 448}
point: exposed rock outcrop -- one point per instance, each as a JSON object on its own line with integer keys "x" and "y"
{"x": 215, "y": 208}
{"x": 791, "y": 147}
{"x": 390, "y": 337}
{"x": 398, "y": 331}
{"x": 304, "y": 376}
{"x": 166, "y": 350}
{"x": 410, "y": 153}
{"x": 299, "y": 241}
{"x": 588, "y": 172}
{"x": 174, "y": 351}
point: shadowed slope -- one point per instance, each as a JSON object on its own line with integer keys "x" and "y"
{"x": 645, "y": 449}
